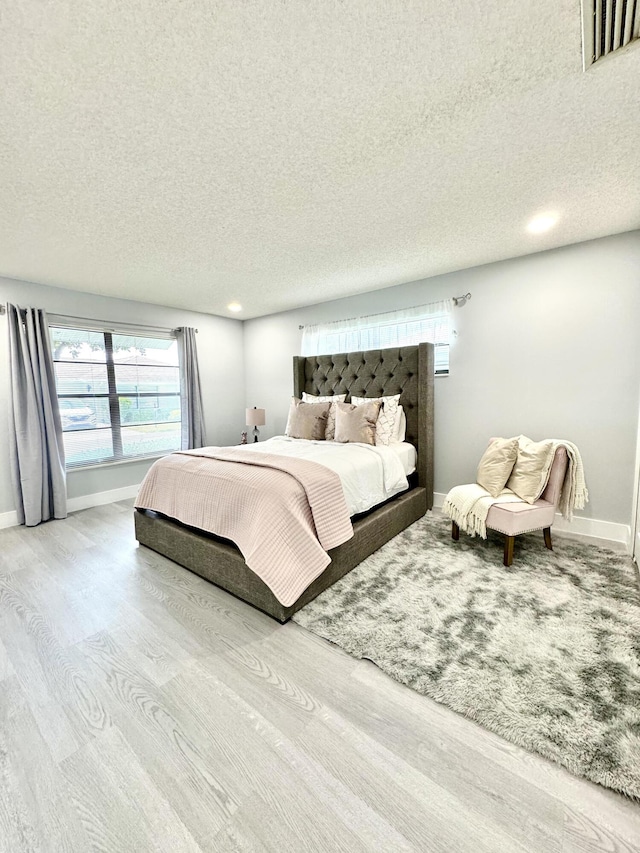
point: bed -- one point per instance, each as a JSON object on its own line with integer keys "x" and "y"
{"x": 408, "y": 371}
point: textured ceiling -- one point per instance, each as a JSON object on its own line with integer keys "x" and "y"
{"x": 192, "y": 152}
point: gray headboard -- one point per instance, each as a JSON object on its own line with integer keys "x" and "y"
{"x": 407, "y": 371}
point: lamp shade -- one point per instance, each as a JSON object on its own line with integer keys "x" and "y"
{"x": 255, "y": 417}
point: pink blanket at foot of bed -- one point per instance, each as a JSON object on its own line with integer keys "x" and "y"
{"x": 283, "y": 513}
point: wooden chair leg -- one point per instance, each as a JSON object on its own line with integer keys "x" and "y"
{"x": 547, "y": 538}
{"x": 508, "y": 549}
{"x": 455, "y": 531}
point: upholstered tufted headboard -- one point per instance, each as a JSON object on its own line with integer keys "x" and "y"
{"x": 407, "y": 371}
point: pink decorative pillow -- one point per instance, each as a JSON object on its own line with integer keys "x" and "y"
{"x": 307, "y": 420}
{"x": 387, "y": 424}
{"x": 357, "y": 423}
{"x": 326, "y": 398}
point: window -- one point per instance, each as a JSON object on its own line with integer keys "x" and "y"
{"x": 119, "y": 394}
{"x": 407, "y": 327}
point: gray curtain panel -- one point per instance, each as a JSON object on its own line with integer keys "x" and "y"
{"x": 193, "y": 431}
{"x": 35, "y": 431}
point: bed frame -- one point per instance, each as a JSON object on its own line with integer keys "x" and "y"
{"x": 407, "y": 371}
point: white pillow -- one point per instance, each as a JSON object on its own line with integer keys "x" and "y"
{"x": 386, "y": 423}
{"x": 330, "y": 432}
{"x": 401, "y": 426}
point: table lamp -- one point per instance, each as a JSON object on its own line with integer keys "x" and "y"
{"x": 255, "y": 418}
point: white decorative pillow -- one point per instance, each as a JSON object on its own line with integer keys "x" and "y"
{"x": 389, "y": 414}
{"x": 327, "y": 398}
{"x": 401, "y": 426}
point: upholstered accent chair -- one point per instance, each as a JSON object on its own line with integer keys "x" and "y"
{"x": 513, "y": 519}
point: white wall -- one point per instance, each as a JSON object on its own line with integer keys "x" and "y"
{"x": 220, "y": 356}
{"x": 549, "y": 345}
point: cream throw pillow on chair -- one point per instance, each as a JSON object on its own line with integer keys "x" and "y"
{"x": 497, "y": 464}
{"x": 531, "y": 471}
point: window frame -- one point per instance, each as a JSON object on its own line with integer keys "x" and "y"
{"x": 112, "y": 395}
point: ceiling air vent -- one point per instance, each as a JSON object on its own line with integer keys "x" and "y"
{"x": 608, "y": 25}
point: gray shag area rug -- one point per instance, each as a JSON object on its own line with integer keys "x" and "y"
{"x": 545, "y": 653}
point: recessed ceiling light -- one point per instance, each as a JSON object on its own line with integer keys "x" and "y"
{"x": 542, "y": 223}
{"x": 234, "y": 306}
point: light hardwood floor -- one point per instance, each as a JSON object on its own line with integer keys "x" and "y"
{"x": 143, "y": 709}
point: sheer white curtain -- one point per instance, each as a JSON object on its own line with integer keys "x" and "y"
{"x": 408, "y": 326}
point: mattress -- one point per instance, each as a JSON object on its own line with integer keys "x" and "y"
{"x": 369, "y": 475}
{"x": 407, "y": 454}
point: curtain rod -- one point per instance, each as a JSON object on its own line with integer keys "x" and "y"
{"x": 458, "y": 301}
{"x": 104, "y": 324}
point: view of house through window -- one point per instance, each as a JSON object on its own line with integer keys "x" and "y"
{"x": 119, "y": 395}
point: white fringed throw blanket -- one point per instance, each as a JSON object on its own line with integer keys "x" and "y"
{"x": 574, "y": 491}
{"x": 469, "y": 505}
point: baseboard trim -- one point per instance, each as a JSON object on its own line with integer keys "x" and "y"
{"x": 589, "y": 529}
{"x": 10, "y": 519}
{"x": 101, "y": 498}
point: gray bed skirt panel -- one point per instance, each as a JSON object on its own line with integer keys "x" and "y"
{"x": 223, "y": 564}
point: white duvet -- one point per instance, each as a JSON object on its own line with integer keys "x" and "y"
{"x": 369, "y": 475}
